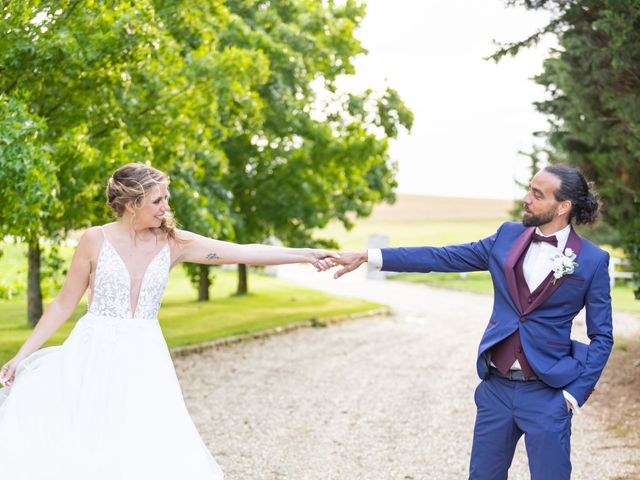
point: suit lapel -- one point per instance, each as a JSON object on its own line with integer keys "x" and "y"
{"x": 517, "y": 249}
{"x": 574, "y": 242}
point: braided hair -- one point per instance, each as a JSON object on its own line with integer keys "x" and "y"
{"x": 129, "y": 184}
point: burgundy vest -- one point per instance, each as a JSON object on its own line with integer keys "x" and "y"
{"x": 510, "y": 349}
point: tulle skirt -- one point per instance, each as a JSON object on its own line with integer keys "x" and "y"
{"x": 105, "y": 405}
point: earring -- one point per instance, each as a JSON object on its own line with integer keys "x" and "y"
{"x": 133, "y": 226}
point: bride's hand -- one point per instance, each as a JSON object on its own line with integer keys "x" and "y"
{"x": 8, "y": 372}
{"x": 323, "y": 259}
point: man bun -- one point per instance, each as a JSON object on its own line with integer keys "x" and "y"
{"x": 585, "y": 201}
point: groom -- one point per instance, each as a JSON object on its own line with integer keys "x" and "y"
{"x": 533, "y": 375}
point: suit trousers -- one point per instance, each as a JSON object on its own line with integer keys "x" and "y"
{"x": 507, "y": 409}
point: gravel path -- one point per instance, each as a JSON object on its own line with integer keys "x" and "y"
{"x": 382, "y": 398}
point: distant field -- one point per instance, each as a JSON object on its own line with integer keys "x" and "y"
{"x": 423, "y": 220}
{"x": 424, "y": 207}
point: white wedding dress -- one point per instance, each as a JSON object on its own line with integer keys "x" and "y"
{"x": 106, "y": 404}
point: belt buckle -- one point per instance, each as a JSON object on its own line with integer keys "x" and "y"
{"x": 520, "y": 376}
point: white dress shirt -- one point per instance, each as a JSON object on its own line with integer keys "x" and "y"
{"x": 538, "y": 262}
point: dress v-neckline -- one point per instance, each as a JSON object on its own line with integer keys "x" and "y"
{"x": 133, "y": 310}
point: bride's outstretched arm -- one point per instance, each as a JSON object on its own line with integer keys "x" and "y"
{"x": 195, "y": 248}
{"x": 60, "y": 309}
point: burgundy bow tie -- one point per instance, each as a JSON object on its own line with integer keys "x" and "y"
{"x": 539, "y": 238}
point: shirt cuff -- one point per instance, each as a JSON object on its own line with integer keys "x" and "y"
{"x": 572, "y": 401}
{"x": 374, "y": 260}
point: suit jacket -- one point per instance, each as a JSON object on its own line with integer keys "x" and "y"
{"x": 545, "y": 324}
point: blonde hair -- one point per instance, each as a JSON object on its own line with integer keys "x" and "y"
{"x": 130, "y": 183}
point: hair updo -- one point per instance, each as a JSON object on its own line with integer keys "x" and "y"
{"x": 585, "y": 202}
{"x": 129, "y": 184}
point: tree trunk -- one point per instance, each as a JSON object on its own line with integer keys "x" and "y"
{"x": 204, "y": 282}
{"x": 243, "y": 287}
{"x": 34, "y": 292}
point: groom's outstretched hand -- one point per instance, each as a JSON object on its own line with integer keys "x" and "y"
{"x": 349, "y": 262}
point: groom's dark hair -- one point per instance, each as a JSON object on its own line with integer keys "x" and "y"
{"x": 585, "y": 205}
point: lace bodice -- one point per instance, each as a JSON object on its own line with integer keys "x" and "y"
{"x": 112, "y": 286}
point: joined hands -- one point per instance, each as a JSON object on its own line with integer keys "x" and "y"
{"x": 326, "y": 260}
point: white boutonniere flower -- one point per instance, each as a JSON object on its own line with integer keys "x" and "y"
{"x": 563, "y": 264}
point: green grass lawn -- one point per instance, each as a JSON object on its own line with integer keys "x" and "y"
{"x": 185, "y": 321}
{"x": 622, "y": 298}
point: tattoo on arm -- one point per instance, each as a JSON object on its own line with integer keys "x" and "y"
{"x": 212, "y": 256}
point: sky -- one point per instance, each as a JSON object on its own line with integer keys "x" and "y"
{"x": 471, "y": 116}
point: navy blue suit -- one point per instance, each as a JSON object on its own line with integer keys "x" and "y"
{"x": 544, "y": 327}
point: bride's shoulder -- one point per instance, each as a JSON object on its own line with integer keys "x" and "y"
{"x": 90, "y": 242}
{"x": 92, "y": 234}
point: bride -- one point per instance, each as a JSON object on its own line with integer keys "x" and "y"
{"x": 106, "y": 404}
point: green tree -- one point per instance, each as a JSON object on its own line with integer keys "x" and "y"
{"x": 224, "y": 79}
{"x": 315, "y": 155}
{"x": 593, "y": 83}
{"x": 236, "y": 100}
{"x": 107, "y": 84}
{"x": 27, "y": 187}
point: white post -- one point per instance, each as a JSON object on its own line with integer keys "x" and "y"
{"x": 613, "y": 261}
{"x": 377, "y": 241}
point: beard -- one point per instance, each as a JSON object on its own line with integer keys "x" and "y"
{"x": 531, "y": 220}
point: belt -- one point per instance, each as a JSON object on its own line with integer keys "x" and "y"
{"x": 517, "y": 375}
